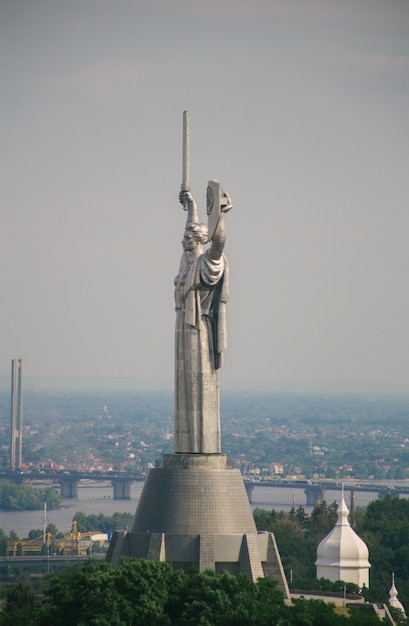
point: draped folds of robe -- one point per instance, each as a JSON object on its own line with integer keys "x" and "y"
{"x": 201, "y": 293}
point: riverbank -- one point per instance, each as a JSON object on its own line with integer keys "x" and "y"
{"x": 98, "y": 498}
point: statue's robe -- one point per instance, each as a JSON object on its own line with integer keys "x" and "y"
{"x": 201, "y": 293}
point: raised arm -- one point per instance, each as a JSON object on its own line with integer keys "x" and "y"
{"x": 219, "y": 235}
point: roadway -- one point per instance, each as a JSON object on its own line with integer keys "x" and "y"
{"x": 396, "y": 487}
{"x": 123, "y": 481}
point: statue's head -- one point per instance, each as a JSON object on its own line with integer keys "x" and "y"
{"x": 195, "y": 234}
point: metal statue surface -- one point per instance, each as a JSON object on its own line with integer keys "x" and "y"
{"x": 201, "y": 293}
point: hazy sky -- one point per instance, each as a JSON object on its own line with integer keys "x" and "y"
{"x": 299, "y": 107}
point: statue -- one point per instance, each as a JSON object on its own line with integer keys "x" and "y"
{"x": 194, "y": 510}
{"x": 201, "y": 293}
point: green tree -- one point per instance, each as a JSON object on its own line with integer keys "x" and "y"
{"x": 385, "y": 529}
{"x": 146, "y": 593}
{"x": 34, "y": 533}
{"x": 321, "y": 520}
{"x": 298, "y": 535}
{"x": 212, "y": 600}
{"x": 398, "y": 616}
{"x": 52, "y": 529}
{"x": 3, "y": 543}
{"x": 23, "y": 497}
{"x": 103, "y": 523}
{"x": 98, "y": 593}
{"x": 19, "y": 595}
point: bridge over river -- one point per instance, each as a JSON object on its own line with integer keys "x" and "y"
{"x": 121, "y": 482}
{"x": 68, "y": 481}
{"x": 315, "y": 490}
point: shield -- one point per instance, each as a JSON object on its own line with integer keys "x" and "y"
{"x": 214, "y": 193}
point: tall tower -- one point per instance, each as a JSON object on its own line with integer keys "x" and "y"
{"x": 16, "y": 450}
{"x": 194, "y": 510}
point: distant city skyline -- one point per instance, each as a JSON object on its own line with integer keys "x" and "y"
{"x": 237, "y": 386}
{"x": 298, "y": 108}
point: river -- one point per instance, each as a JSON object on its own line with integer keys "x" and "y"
{"x": 97, "y": 498}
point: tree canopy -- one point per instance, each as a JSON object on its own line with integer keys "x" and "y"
{"x": 23, "y": 497}
{"x": 146, "y": 593}
{"x": 383, "y": 525}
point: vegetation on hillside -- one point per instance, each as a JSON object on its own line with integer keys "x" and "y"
{"x": 151, "y": 594}
{"x": 103, "y": 523}
{"x": 26, "y": 498}
{"x": 144, "y": 592}
{"x": 383, "y": 525}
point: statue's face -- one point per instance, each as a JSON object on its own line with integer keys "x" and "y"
{"x": 189, "y": 242}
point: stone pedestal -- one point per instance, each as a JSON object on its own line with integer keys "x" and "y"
{"x": 194, "y": 512}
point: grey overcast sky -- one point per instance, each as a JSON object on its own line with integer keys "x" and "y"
{"x": 299, "y": 107}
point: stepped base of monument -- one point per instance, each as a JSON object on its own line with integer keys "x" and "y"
{"x": 195, "y": 461}
{"x": 194, "y": 512}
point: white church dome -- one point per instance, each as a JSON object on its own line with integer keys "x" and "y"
{"x": 342, "y": 555}
{"x": 393, "y": 597}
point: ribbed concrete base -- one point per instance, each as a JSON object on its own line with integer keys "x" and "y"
{"x": 193, "y": 516}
